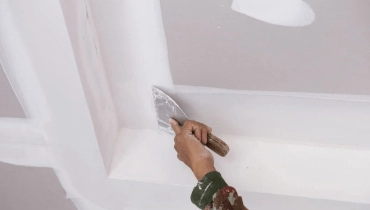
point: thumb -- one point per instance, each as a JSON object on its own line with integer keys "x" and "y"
{"x": 175, "y": 126}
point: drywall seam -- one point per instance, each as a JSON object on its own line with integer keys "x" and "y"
{"x": 19, "y": 131}
{"x": 324, "y": 96}
{"x": 24, "y": 154}
{"x": 86, "y": 48}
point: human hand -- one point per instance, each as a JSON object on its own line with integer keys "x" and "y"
{"x": 189, "y": 144}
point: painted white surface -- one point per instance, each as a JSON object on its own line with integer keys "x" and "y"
{"x": 253, "y": 164}
{"x": 36, "y": 39}
{"x": 40, "y": 35}
{"x": 24, "y": 154}
{"x": 21, "y": 143}
{"x": 150, "y": 153}
{"x": 296, "y": 117}
{"x": 18, "y": 131}
{"x": 92, "y": 73}
{"x": 134, "y": 49}
{"x": 279, "y": 12}
{"x": 134, "y": 159}
{"x": 259, "y": 201}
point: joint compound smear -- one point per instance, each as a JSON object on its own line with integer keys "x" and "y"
{"x": 278, "y": 12}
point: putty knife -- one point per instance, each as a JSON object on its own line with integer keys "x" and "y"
{"x": 167, "y": 108}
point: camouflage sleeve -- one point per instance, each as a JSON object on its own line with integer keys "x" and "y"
{"x": 213, "y": 193}
{"x": 226, "y": 199}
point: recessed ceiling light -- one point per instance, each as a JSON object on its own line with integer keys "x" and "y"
{"x": 278, "y": 12}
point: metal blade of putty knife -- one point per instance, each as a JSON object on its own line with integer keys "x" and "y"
{"x": 167, "y": 108}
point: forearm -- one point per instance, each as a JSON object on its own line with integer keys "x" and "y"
{"x": 202, "y": 167}
{"x": 211, "y": 192}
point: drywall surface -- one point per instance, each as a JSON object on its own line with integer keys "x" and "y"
{"x": 34, "y": 40}
{"x": 298, "y": 117}
{"x": 134, "y": 50}
{"x": 259, "y": 201}
{"x": 37, "y": 37}
{"x": 9, "y": 104}
{"x": 211, "y": 45}
{"x": 253, "y": 164}
{"x": 92, "y": 73}
{"x": 31, "y": 188}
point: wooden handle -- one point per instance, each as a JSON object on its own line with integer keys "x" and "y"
{"x": 217, "y": 145}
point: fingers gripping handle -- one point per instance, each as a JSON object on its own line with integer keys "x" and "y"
{"x": 217, "y": 145}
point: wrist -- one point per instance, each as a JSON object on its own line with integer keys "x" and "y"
{"x": 201, "y": 169}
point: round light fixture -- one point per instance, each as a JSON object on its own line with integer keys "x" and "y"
{"x": 278, "y": 12}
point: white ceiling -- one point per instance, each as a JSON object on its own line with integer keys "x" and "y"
{"x": 122, "y": 43}
{"x": 31, "y": 188}
{"x": 211, "y": 45}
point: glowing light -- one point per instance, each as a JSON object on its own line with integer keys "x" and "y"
{"x": 279, "y": 12}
